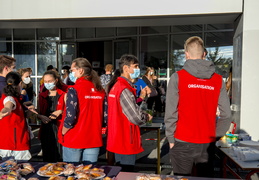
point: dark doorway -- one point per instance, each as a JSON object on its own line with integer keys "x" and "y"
{"x": 93, "y": 52}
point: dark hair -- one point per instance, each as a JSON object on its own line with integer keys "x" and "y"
{"x": 49, "y": 67}
{"x": 55, "y": 75}
{"x": 11, "y": 89}
{"x": 127, "y": 59}
{"x": 89, "y": 73}
{"x": 6, "y": 61}
{"x": 116, "y": 74}
{"x": 66, "y": 68}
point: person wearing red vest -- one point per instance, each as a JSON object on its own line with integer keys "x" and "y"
{"x": 125, "y": 116}
{"x": 192, "y": 98}
{"x": 14, "y": 133}
{"x": 81, "y": 131}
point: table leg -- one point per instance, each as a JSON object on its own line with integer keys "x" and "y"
{"x": 158, "y": 151}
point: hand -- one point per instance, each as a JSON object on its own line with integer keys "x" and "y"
{"x": 64, "y": 130}
{"x": 55, "y": 114}
{"x": 143, "y": 93}
{"x": 4, "y": 113}
{"x": 171, "y": 145}
{"x": 148, "y": 90}
{"x": 150, "y": 117}
{"x": 154, "y": 77}
{"x": 43, "y": 118}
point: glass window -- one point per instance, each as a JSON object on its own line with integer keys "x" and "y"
{"x": 46, "y": 56}
{"x": 213, "y": 39}
{"x": 24, "y": 34}
{"x": 105, "y": 32}
{"x": 187, "y": 28}
{"x": 6, "y": 48}
{"x": 48, "y": 34}
{"x": 219, "y": 26}
{"x": 220, "y": 50}
{"x": 85, "y": 33}
{"x": 154, "y": 54}
{"x": 68, "y": 33}
{"x": 5, "y": 34}
{"x": 24, "y": 53}
{"x": 154, "y": 29}
{"x": 122, "y": 31}
{"x": 177, "y": 58}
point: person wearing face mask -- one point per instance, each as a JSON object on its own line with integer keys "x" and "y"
{"x": 65, "y": 75}
{"x": 26, "y": 80}
{"x": 81, "y": 130}
{"x": 155, "y": 97}
{"x": 125, "y": 116}
{"x": 7, "y": 64}
{"x": 51, "y": 105}
{"x": 14, "y": 134}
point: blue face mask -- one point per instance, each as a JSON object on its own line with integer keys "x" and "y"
{"x": 135, "y": 74}
{"x": 72, "y": 77}
{"x": 49, "y": 86}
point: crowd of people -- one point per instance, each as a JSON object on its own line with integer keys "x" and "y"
{"x": 75, "y": 104}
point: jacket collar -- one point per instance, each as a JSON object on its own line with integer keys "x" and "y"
{"x": 46, "y": 93}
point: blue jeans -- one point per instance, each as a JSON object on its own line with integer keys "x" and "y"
{"x": 87, "y": 156}
{"x": 125, "y": 159}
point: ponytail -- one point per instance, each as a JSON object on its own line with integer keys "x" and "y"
{"x": 115, "y": 76}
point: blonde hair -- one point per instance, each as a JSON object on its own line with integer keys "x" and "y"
{"x": 194, "y": 46}
{"x": 108, "y": 67}
{"x": 148, "y": 70}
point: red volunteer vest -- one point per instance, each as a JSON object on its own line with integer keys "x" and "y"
{"x": 87, "y": 132}
{"x": 198, "y": 101}
{"x": 123, "y": 136}
{"x": 14, "y": 134}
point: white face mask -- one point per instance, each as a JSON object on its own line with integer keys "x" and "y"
{"x": 62, "y": 71}
{"x": 27, "y": 80}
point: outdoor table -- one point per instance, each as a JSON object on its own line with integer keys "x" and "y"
{"x": 156, "y": 127}
{"x": 132, "y": 176}
{"x": 250, "y": 166}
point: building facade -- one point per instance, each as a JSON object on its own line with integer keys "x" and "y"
{"x": 38, "y": 34}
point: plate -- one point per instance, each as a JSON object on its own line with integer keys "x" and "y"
{"x": 101, "y": 175}
{"x": 43, "y": 175}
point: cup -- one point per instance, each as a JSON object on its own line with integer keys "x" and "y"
{"x": 149, "y": 111}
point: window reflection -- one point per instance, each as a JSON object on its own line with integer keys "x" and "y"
{"x": 153, "y": 53}
{"x": 46, "y": 56}
{"x": 6, "y": 48}
{"x": 24, "y": 53}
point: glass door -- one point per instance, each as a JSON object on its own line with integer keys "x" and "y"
{"x": 66, "y": 54}
{"x": 121, "y": 47}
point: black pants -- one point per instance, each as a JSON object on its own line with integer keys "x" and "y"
{"x": 184, "y": 155}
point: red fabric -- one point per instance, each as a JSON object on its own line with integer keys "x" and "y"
{"x": 87, "y": 132}
{"x": 14, "y": 134}
{"x": 198, "y": 101}
{"x": 123, "y": 136}
{"x": 43, "y": 103}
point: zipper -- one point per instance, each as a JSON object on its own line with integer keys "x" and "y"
{"x": 14, "y": 138}
{"x": 131, "y": 134}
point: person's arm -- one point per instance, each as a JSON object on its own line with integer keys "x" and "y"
{"x": 8, "y": 107}
{"x": 131, "y": 110}
{"x": 224, "y": 121}
{"x": 71, "y": 110}
{"x": 171, "y": 110}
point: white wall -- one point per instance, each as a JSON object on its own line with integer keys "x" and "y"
{"x": 48, "y": 9}
{"x": 250, "y": 70}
